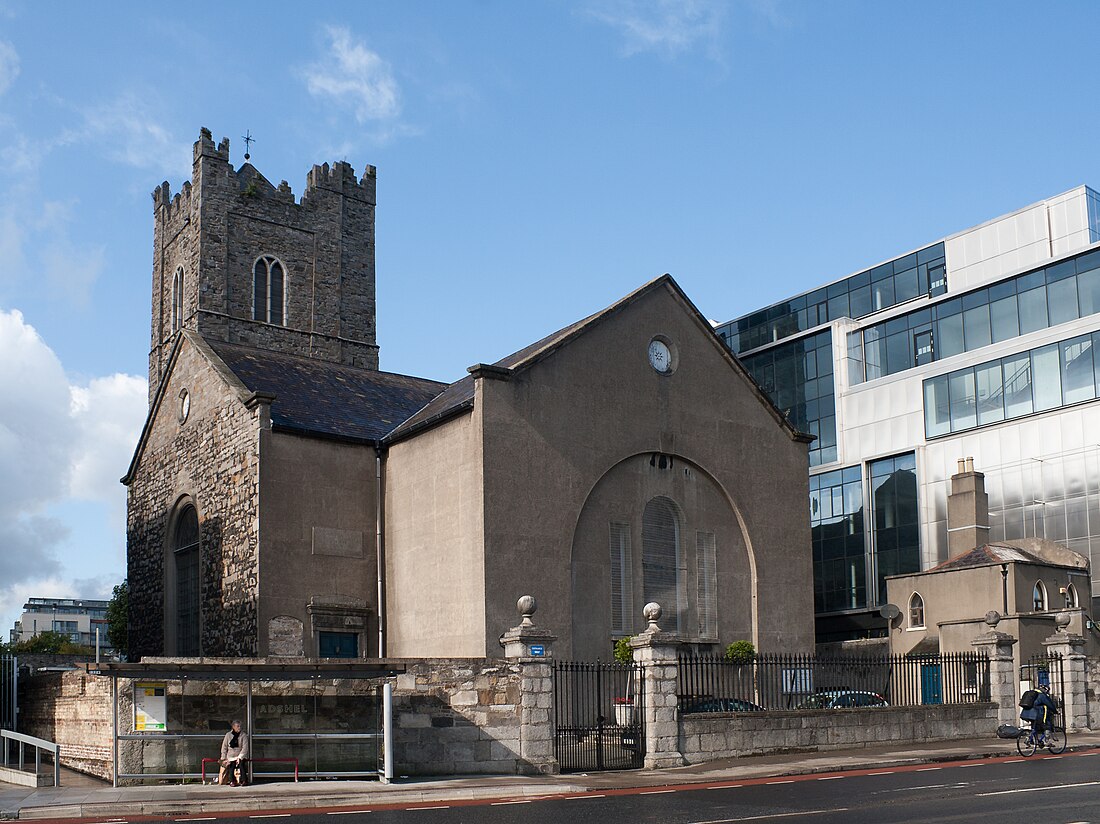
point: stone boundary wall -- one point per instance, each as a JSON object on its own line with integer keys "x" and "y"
{"x": 463, "y": 716}
{"x": 72, "y": 709}
{"x": 709, "y": 736}
{"x": 1092, "y": 691}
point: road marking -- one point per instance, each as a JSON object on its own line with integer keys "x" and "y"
{"x": 440, "y": 807}
{"x": 575, "y": 797}
{"x": 656, "y": 792}
{"x": 502, "y": 803}
{"x": 789, "y": 781}
{"x": 725, "y": 786}
{"x": 832, "y": 777}
{"x": 348, "y": 812}
{"x": 1040, "y": 789}
{"x": 929, "y": 769}
{"x": 1014, "y": 761}
{"x": 197, "y": 819}
{"x": 272, "y": 815}
{"x": 773, "y": 815}
{"x": 888, "y": 772}
{"x": 979, "y": 764}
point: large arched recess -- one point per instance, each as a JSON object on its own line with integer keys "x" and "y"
{"x": 619, "y": 497}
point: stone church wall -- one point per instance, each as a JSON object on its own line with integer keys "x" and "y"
{"x": 72, "y": 709}
{"x": 210, "y": 459}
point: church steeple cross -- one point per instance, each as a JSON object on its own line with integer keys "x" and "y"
{"x": 248, "y": 141}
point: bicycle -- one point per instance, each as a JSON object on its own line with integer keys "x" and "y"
{"x": 1052, "y": 740}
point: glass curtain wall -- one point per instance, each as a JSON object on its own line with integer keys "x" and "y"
{"x": 895, "y": 534}
{"x": 920, "y": 273}
{"x": 1029, "y": 302}
{"x": 1048, "y": 377}
{"x": 836, "y": 525}
{"x": 798, "y": 377}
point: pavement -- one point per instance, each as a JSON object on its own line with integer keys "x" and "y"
{"x": 84, "y": 797}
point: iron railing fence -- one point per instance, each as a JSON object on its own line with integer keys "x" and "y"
{"x": 1045, "y": 669}
{"x": 711, "y": 683}
{"x": 598, "y": 715}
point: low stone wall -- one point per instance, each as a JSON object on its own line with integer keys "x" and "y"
{"x": 708, "y": 736}
{"x": 72, "y": 709}
{"x": 1092, "y": 691}
{"x": 451, "y": 716}
{"x": 463, "y": 716}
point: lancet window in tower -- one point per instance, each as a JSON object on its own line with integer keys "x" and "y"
{"x": 177, "y": 300}
{"x": 269, "y": 290}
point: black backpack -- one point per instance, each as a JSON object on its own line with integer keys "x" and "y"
{"x": 1027, "y": 700}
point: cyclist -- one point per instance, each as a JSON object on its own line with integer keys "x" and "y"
{"x": 1042, "y": 718}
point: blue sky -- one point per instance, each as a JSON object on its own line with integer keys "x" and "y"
{"x": 537, "y": 160}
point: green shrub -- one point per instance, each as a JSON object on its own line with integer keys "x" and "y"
{"x": 623, "y": 652}
{"x": 741, "y": 652}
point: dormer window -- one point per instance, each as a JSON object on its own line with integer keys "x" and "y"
{"x": 269, "y": 290}
{"x": 177, "y": 300}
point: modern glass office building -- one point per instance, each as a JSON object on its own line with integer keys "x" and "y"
{"x": 983, "y": 344}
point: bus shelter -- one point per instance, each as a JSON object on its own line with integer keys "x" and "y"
{"x": 304, "y": 720}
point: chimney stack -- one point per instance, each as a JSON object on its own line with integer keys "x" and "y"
{"x": 967, "y": 510}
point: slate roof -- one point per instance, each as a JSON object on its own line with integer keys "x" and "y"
{"x": 990, "y": 554}
{"x": 328, "y": 399}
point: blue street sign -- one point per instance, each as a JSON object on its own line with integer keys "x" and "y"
{"x": 538, "y": 650}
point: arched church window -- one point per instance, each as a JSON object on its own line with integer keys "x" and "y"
{"x": 177, "y": 300}
{"x": 916, "y": 611}
{"x": 663, "y": 578}
{"x": 186, "y": 558}
{"x": 1071, "y": 597}
{"x": 269, "y": 290}
{"x": 1039, "y": 597}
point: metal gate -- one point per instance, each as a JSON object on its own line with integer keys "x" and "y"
{"x": 1046, "y": 669}
{"x": 598, "y": 716}
{"x": 9, "y": 688}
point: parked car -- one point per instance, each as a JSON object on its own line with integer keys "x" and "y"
{"x": 842, "y": 699}
{"x": 723, "y": 705}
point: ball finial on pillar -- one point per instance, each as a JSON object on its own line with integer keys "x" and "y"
{"x": 526, "y": 606}
{"x": 652, "y": 613}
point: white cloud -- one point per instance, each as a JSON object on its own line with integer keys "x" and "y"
{"x": 108, "y": 414}
{"x": 355, "y": 77}
{"x": 9, "y": 65}
{"x": 668, "y": 27}
{"x": 132, "y": 133}
{"x": 58, "y": 442}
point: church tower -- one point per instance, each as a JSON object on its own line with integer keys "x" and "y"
{"x": 241, "y": 261}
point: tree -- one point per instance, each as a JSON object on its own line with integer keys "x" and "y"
{"x": 48, "y": 643}
{"x": 118, "y": 617}
{"x": 741, "y": 652}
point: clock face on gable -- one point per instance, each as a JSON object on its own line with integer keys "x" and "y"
{"x": 660, "y": 357}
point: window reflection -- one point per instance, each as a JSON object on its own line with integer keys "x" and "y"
{"x": 1029, "y": 302}
{"x": 1044, "y": 378}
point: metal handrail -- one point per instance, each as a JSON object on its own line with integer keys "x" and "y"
{"x": 39, "y": 745}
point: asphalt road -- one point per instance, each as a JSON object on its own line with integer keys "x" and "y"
{"x": 1045, "y": 790}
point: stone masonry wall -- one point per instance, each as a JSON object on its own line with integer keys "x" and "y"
{"x": 1092, "y": 691}
{"x": 72, "y": 709}
{"x": 224, "y": 218}
{"x": 462, "y": 716}
{"x": 212, "y": 460}
{"x": 708, "y": 736}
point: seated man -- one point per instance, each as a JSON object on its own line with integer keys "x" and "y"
{"x": 234, "y": 757}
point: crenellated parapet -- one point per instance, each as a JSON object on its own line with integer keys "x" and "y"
{"x": 208, "y": 237}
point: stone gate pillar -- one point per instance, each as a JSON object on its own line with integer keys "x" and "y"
{"x": 997, "y": 646}
{"x": 1071, "y": 649}
{"x": 658, "y": 654}
{"x": 532, "y": 648}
